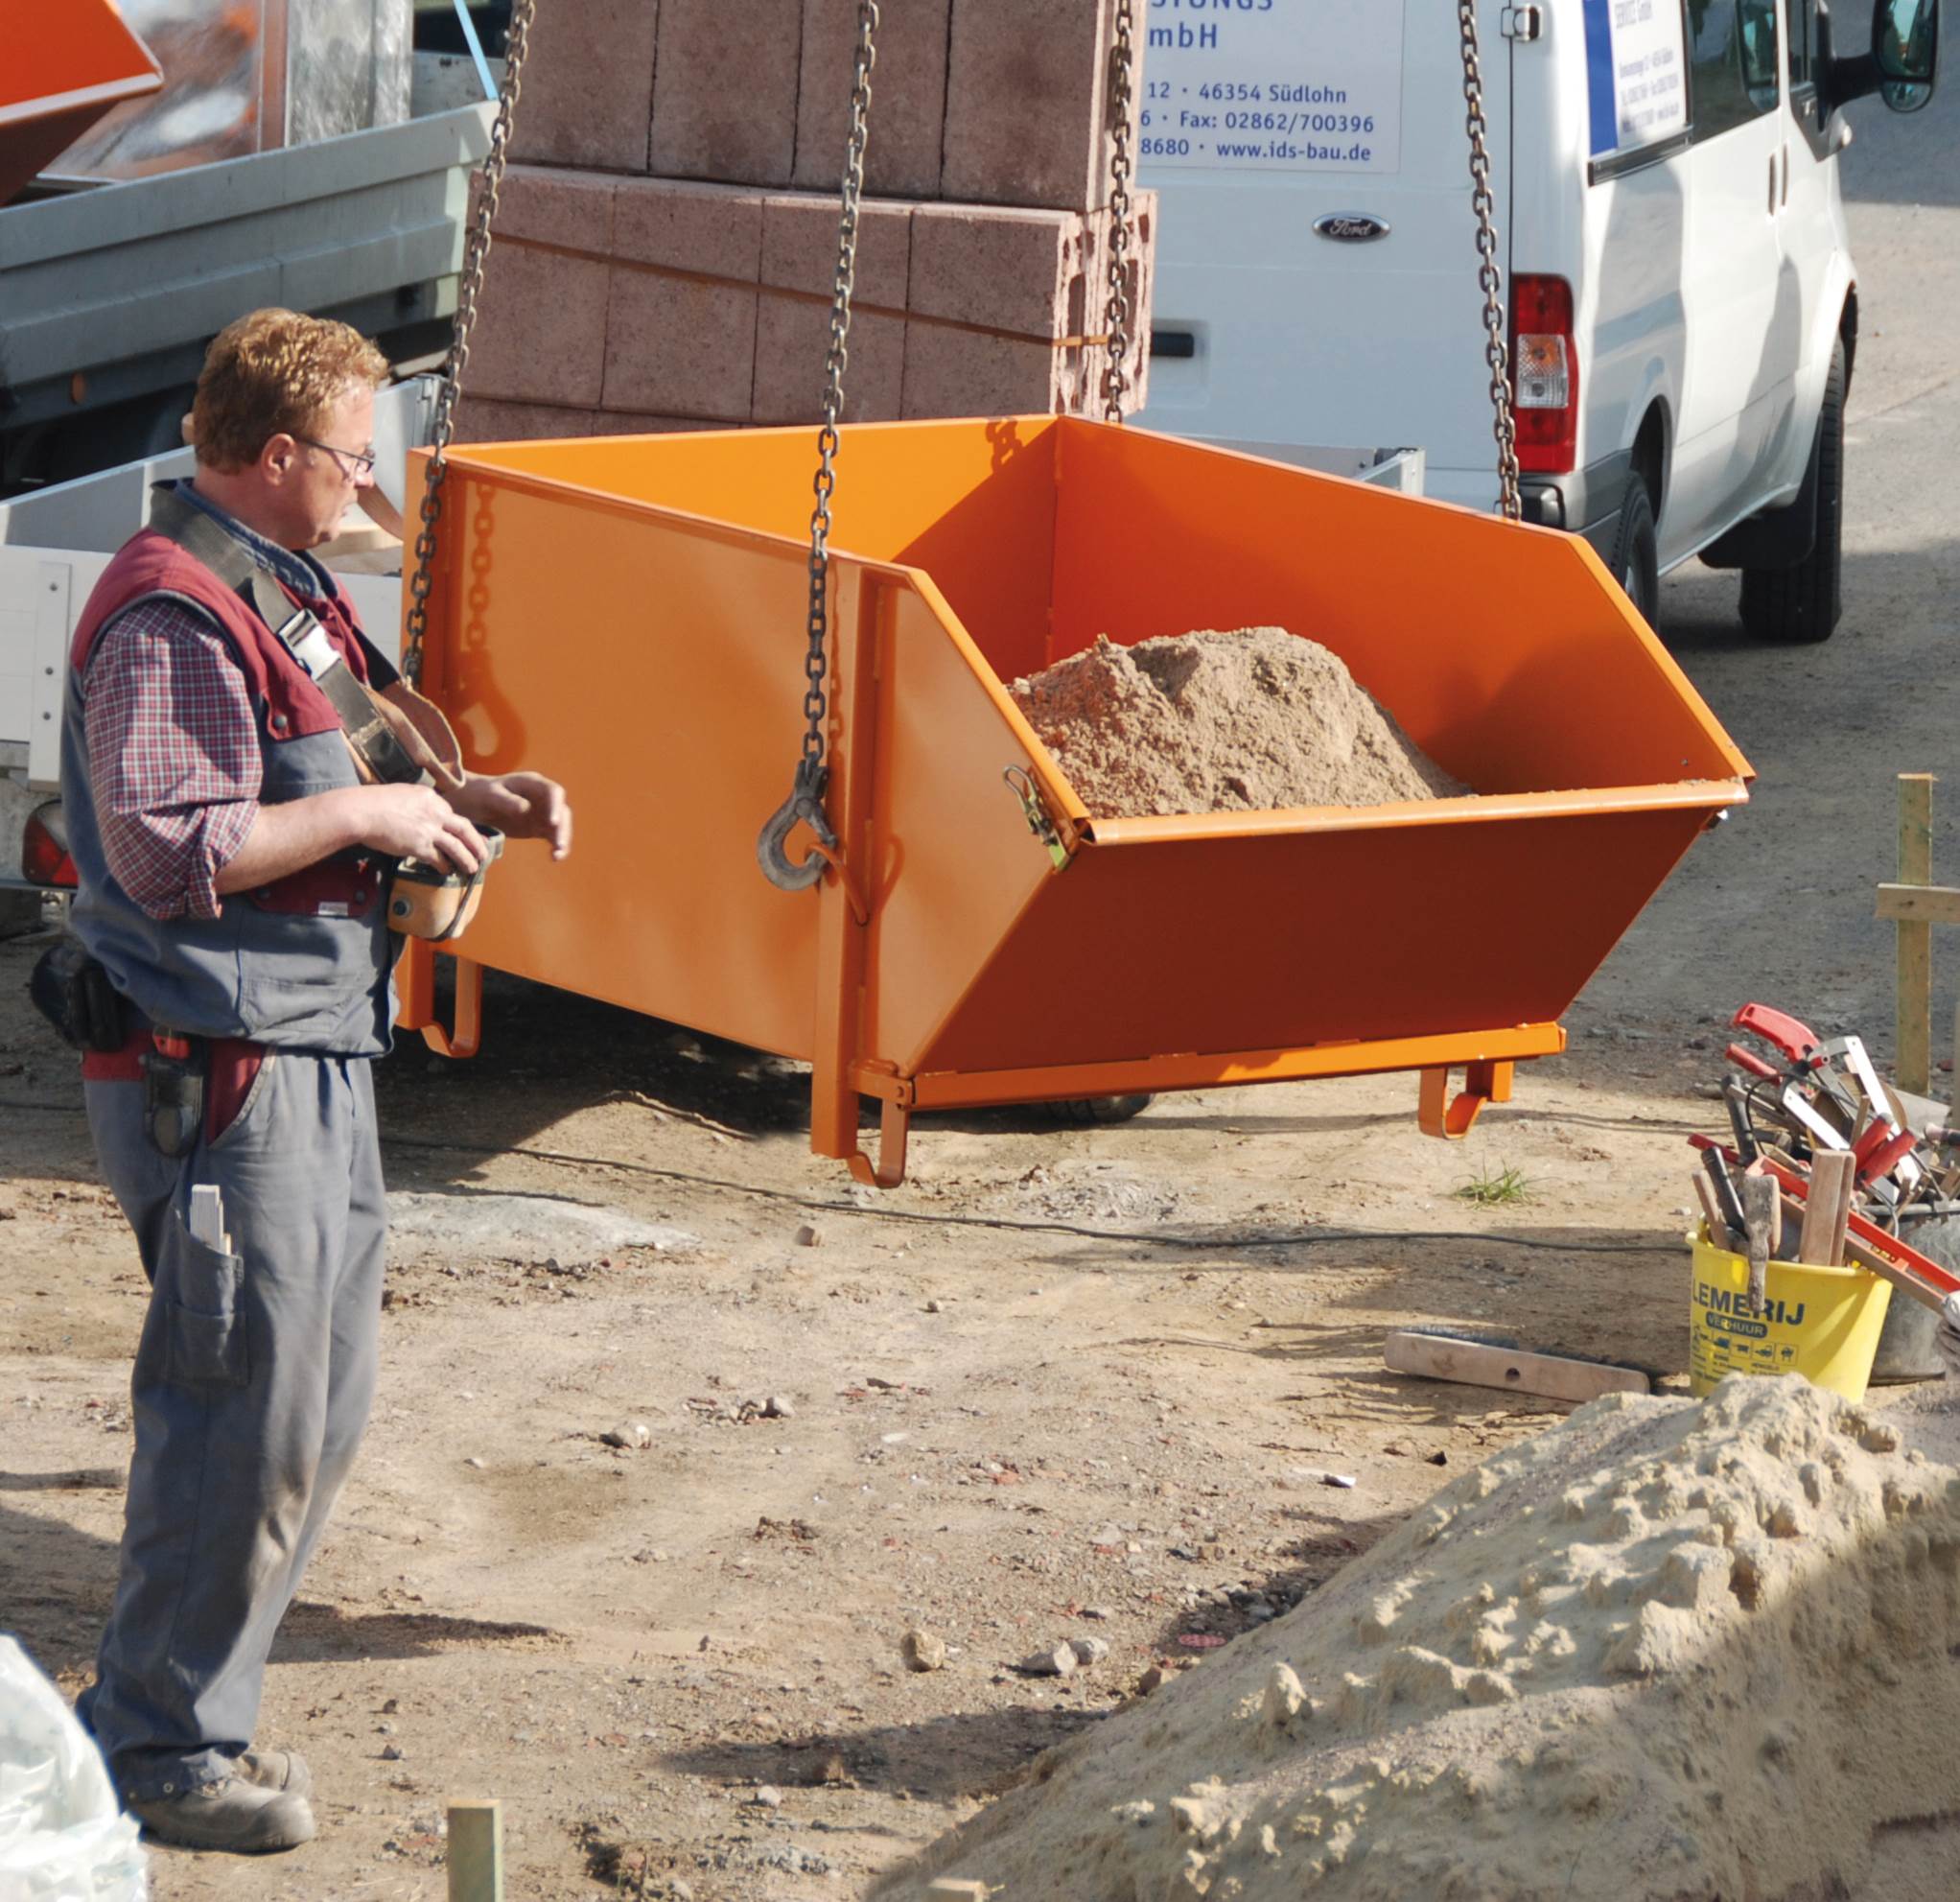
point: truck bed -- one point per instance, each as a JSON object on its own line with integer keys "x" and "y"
{"x": 111, "y": 293}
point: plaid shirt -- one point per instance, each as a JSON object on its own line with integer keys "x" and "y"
{"x": 174, "y": 756}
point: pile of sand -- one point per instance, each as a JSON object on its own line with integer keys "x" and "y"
{"x": 1209, "y": 722}
{"x": 1666, "y": 1649}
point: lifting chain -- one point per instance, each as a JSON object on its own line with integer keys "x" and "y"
{"x": 469, "y": 292}
{"x": 1122, "y": 96}
{"x": 806, "y": 802}
{"x": 1489, "y": 276}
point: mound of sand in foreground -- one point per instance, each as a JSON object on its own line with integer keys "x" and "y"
{"x": 1668, "y": 1649}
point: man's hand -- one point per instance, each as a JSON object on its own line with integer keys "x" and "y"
{"x": 418, "y": 822}
{"x": 520, "y": 805}
{"x": 403, "y": 821}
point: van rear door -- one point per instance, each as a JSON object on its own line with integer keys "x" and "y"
{"x": 1317, "y": 259}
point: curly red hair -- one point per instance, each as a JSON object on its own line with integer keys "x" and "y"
{"x": 275, "y": 372}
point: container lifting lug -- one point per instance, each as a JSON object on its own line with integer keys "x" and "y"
{"x": 805, "y": 803}
{"x": 1522, "y": 23}
{"x": 1452, "y": 1118}
{"x": 1036, "y": 815}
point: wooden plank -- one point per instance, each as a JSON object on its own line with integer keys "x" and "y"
{"x": 1478, "y": 1364}
{"x": 1846, "y": 1202}
{"x": 476, "y": 1851}
{"x": 1930, "y": 904}
{"x": 1915, "y": 948}
{"x": 1832, "y": 1173}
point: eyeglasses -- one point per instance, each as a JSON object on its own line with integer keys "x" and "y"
{"x": 361, "y": 462}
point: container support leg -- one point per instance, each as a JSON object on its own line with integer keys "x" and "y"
{"x": 1454, "y": 1120}
{"x": 415, "y": 986}
{"x": 843, "y": 917}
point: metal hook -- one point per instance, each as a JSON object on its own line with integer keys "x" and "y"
{"x": 804, "y": 804}
{"x": 1022, "y": 785}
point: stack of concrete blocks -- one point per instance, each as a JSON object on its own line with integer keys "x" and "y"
{"x": 667, "y": 236}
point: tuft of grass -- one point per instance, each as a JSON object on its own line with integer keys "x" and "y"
{"x": 1495, "y": 1188}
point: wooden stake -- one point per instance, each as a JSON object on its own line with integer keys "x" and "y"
{"x": 1915, "y": 944}
{"x": 476, "y": 1851}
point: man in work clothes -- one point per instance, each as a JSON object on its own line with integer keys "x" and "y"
{"x": 234, "y": 864}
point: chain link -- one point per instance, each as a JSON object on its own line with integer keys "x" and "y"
{"x": 1489, "y": 275}
{"x": 1122, "y": 96}
{"x": 469, "y": 292}
{"x": 835, "y": 362}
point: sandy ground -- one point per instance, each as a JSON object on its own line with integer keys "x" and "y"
{"x": 1062, "y": 1373}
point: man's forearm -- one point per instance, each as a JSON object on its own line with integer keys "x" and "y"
{"x": 292, "y": 835}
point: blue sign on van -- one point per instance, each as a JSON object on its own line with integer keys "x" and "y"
{"x": 1636, "y": 73}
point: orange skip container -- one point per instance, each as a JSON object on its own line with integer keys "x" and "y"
{"x": 628, "y": 614}
{"x": 64, "y": 67}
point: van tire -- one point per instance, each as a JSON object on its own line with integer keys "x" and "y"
{"x": 1637, "y": 553}
{"x": 1087, "y": 1111}
{"x": 1801, "y": 605}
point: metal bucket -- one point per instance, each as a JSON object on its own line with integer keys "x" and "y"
{"x": 1906, "y": 1350}
{"x": 629, "y": 613}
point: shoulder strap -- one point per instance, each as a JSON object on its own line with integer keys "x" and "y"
{"x": 368, "y": 732}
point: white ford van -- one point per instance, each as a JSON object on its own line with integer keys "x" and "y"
{"x": 1682, "y": 307}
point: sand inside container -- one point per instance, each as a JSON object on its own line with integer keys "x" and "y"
{"x": 1255, "y": 721}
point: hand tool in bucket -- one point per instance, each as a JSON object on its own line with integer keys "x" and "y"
{"x": 1867, "y": 1245}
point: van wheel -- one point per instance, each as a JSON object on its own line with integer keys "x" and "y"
{"x": 1087, "y": 1111}
{"x": 1637, "y": 553}
{"x": 1803, "y": 604}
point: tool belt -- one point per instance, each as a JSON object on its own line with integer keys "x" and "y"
{"x": 190, "y": 1085}
{"x": 397, "y": 736}
{"x": 73, "y": 992}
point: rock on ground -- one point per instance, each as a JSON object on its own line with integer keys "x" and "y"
{"x": 1666, "y": 1650}
{"x": 521, "y": 1228}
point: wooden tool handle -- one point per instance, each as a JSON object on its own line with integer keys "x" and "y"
{"x": 1762, "y": 1210}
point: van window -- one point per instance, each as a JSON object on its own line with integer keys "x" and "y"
{"x": 1803, "y": 43}
{"x": 1732, "y": 64}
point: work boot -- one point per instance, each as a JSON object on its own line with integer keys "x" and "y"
{"x": 275, "y": 1770}
{"x": 231, "y": 1814}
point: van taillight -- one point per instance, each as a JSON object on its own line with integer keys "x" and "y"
{"x": 43, "y": 858}
{"x": 1544, "y": 374}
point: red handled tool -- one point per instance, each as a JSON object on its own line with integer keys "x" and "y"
{"x": 1795, "y": 1040}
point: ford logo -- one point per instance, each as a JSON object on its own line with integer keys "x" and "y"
{"x": 1351, "y": 228}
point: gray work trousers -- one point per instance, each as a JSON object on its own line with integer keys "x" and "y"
{"x": 252, "y": 1383}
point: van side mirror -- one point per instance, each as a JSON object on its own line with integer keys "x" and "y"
{"x": 1905, "y": 49}
{"x": 1901, "y": 65}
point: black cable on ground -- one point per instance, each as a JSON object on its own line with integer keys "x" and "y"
{"x": 885, "y": 1212}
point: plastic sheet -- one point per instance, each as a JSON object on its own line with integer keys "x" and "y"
{"x": 62, "y": 1838}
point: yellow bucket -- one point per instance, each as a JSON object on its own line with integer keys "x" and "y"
{"x": 1822, "y": 1323}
